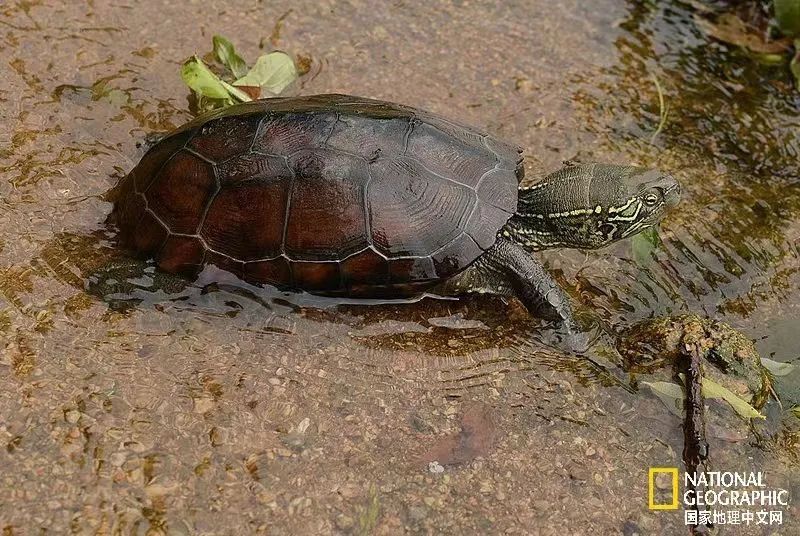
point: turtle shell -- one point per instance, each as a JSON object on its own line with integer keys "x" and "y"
{"x": 325, "y": 193}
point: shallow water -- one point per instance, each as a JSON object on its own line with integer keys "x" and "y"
{"x": 229, "y": 409}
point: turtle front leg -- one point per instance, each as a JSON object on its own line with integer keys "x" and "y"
{"x": 507, "y": 269}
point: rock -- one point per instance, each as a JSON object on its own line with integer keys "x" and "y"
{"x": 435, "y": 467}
{"x": 476, "y": 439}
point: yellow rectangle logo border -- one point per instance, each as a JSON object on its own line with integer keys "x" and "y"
{"x": 651, "y": 481}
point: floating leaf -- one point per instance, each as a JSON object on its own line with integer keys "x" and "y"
{"x": 272, "y": 72}
{"x": 671, "y": 394}
{"x": 787, "y": 14}
{"x": 730, "y": 29}
{"x": 202, "y": 81}
{"x": 212, "y": 91}
{"x": 226, "y": 54}
{"x": 712, "y": 389}
{"x": 777, "y": 368}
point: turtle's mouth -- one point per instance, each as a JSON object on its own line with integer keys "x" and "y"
{"x": 672, "y": 195}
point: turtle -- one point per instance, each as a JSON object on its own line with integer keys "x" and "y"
{"x": 348, "y": 196}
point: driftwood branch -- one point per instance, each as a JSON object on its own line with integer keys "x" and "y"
{"x": 695, "y": 446}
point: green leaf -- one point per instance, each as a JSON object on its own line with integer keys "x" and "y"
{"x": 643, "y": 245}
{"x": 272, "y": 72}
{"x": 236, "y": 92}
{"x": 226, "y": 54}
{"x": 712, "y": 389}
{"x": 671, "y": 394}
{"x": 770, "y": 59}
{"x": 787, "y": 14}
{"x": 201, "y": 80}
{"x": 796, "y": 411}
{"x": 777, "y": 368}
{"x": 795, "y": 64}
{"x": 672, "y": 390}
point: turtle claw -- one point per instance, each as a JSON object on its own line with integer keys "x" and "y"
{"x": 565, "y": 338}
{"x": 578, "y": 333}
{"x": 149, "y": 140}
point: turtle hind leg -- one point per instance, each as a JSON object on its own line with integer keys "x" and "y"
{"x": 482, "y": 277}
{"x": 507, "y": 269}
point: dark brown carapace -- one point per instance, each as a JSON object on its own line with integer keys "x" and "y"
{"x": 328, "y": 193}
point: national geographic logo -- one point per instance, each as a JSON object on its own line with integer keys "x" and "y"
{"x": 712, "y": 498}
{"x": 659, "y": 503}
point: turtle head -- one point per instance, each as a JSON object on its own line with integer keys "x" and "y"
{"x": 590, "y": 206}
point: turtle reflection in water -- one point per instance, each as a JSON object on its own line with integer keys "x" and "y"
{"x": 347, "y": 196}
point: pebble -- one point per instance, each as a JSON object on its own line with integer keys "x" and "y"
{"x": 344, "y": 522}
{"x": 203, "y": 404}
{"x": 578, "y": 473}
{"x": 435, "y": 467}
{"x": 349, "y": 491}
{"x": 417, "y": 513}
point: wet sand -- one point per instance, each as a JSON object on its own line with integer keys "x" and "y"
{"x": 233, "y": 410}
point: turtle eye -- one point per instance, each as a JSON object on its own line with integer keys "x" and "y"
{"x": 652, "y": 197}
